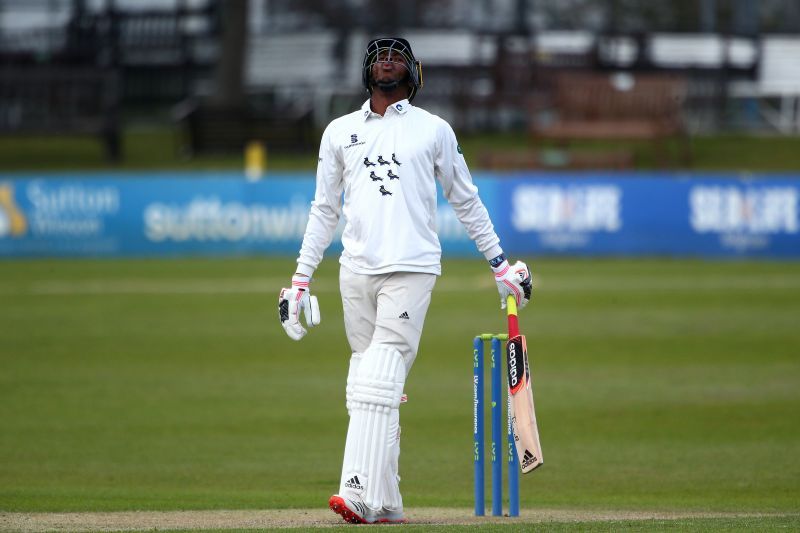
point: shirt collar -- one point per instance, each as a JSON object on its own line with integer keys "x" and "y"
{"x": 399, "y": 107}
{"x": 366, "y": 111}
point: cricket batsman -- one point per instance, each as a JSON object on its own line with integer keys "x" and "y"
{"x": 378, "y": 167}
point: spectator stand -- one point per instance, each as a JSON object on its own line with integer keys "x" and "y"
{"x": 282, "y": 97}
{"x": 69, "y": 68}
{"x": 618, "y": 106}
{"x": 50, "y": 83}
{"x": 776, "y": 90}
{"x": 44, "y": 101}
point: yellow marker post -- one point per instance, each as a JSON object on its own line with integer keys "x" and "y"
{"x": 255, "y": 160}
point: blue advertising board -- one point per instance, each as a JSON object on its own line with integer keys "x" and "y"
{"x": 153, "y": 215}
{"x": 651, "y": 215}
{"x": 588, "y": 214}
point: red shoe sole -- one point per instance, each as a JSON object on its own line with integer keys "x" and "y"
{"x": 336, "y": 503}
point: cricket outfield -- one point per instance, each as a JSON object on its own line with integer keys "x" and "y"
{"x": 667, "y": 395}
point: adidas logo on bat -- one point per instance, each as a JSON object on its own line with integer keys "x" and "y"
{"x": 528, "y": 459}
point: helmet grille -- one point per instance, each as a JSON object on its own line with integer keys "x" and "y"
{"x": 392, "y": 46}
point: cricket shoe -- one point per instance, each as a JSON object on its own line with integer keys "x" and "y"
{"x": 354, "y": 511}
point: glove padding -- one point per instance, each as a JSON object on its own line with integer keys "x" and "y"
{"x": 291, "y": 301}
{"x": 515, "y": 281}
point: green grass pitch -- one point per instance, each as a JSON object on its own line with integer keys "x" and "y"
{"x": 169, "y": 384}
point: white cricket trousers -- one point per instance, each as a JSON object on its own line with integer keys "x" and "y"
{"x": 385, "y": 309}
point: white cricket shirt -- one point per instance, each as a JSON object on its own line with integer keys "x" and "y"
{"x": 380, "y": 172}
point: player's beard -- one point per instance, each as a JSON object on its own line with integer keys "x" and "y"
{"x": 387, "y": 86}
{"x": 390, "y": 86}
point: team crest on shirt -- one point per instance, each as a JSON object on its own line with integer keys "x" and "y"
{"x": 377, "y": 175}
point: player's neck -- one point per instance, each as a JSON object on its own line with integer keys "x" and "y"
{"x": 380, "y": 100}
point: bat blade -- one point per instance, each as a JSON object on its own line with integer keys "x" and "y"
{"x": 523, "y": 412}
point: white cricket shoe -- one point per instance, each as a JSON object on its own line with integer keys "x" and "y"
{"x": 353, "y": 510}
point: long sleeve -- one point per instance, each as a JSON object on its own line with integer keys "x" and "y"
{"x": 462, "y": 194}
{"x": 326, "y": 208}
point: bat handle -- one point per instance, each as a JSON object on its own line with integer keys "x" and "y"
{"x": 513, "y": 323}
{"x": 511, "y": 305}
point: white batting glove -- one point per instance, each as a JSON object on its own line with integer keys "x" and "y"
{"x": 515, "y": 281}
{"x": 291, "y": 301}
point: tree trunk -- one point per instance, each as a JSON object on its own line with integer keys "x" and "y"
{"x": 229, "y": 89}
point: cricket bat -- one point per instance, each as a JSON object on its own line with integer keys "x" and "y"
{"x": 523, "y": 414}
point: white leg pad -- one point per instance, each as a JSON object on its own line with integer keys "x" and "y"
{"x": 392, "y": 500}
{"x": 373, "y": 396}
{"x": 352, "y": 485}
{"x": 355, "y": 359}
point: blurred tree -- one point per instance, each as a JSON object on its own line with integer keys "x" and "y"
{"x": 708, "y": 15}
{"x": 229, "y": 87}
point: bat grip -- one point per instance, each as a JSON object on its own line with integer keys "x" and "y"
{"x": 513, "y": 323}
